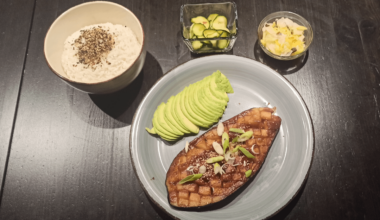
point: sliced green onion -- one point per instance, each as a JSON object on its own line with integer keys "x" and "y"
{"x": 247, "y": 135}
{"x": 225, "y": 141}
{"x": 191, "y": 178}
{"x": 235, "y": 140}
{"x": 248, "y": 173}
{"x": 237, "y": 130}
{"x": 246, "y": 153}
{"x": 236, "y": 149}
{"x": 214, "y": 159}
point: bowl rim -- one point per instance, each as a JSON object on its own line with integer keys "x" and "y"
{"x": 212, "y": 3}
{"x": 284, "y": 58}
{"x": 82, "y": 5}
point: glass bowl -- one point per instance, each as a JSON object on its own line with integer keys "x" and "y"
{"x": 295, "y": 18}
{"x": 227, "y": 9}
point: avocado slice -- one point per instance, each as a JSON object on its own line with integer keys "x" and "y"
{"x": 196, "y": 107}
{"x": 152, "y": 131}
{"x": 222, "y": 82}
{"x": 216, "y": 92}
{"x": 189, "y": 113}
{"x": 165, "y": 124}
{"x": 181, "y": 101}
{"x": 209, "y": 103}
{"x": 191, "y": 106}
{"x": 208, "y": 100}
{"x": 171, "y": 125}
{"x": 206, "y": 94}
{"x": 170, "y": 117}
{"x": 160, "y": 131}
{"x": 174, "y": 111}
{"x": 186, "y": 104}
{"x": 181, "y": 117}
{"x": 199, "y": 107}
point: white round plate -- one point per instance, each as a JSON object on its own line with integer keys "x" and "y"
{"x": 288, "y": 161}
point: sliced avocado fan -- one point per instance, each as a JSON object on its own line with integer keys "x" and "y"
{"x": 200, "y": 104}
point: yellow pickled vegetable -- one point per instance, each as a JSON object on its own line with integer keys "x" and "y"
{"x": 283, "y": 37}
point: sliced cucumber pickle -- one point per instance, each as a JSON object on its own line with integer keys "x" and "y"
{"x": 196, "y": 45}
{"x": 191, "y": 35}
{"x": 223, "y": 43}
{"x": 224, "y": 34}
{"x": 211, "y": 33}
{"x": 198, "y": 29}
{"x": 211, "y": 17}
{"x": 213, "y": 42}
{"x": 213, "y": 27}
{"x": 204, "y": 41}
{"x": 201, "y": 20}
{"x": 220, "y": 23}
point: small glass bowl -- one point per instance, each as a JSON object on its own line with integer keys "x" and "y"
{"x": 295, "y": 18}
{"x": 227, "y": 9}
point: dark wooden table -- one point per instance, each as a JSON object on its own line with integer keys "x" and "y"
{"x": 65, "y": 155}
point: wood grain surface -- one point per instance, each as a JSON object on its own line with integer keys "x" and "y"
{"x": 69, "y": 154}
{"x": 16, "y": 19}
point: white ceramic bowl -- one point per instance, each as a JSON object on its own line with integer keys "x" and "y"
{"x": 88, "y": 14}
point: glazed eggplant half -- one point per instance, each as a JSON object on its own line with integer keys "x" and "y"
{"x": 214, "y": 166}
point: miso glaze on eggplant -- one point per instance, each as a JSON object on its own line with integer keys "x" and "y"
{"x": 212, "y": 188}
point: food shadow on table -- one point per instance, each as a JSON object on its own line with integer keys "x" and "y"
{"x": 119, "y": 107}
{"x": 282, "y": 67}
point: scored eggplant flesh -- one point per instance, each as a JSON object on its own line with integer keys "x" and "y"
{"x": 212, "y": 188}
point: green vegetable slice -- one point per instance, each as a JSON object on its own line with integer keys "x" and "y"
{"x": 211, "y": 33}
{"x": 226, "y": 141}
{"x": 191, "y": 178}
{"x": 236, "y": 149}
{"x": 196, "y": 45}
{"x": 191, "y": 32}
{"x": 198, "y": 29}
{"x": 246, "y": 153}
{"x": 235, "y": 140}
{"x": 201, "y": 20}
{"x": 220, "y": 23}
{"x": 223, "y": 43}
{"x": 211, "y": 17}
{"x": 213, "y": 42}
{"x": 214, "y": 159}
{"x": 237, "y": 130}
{"x": 247, "y": 135}
{"x": 224, "y": 34}
{"x": 214, "y": 26}
{"x": 248, "y": 173}
{"x": 204, "y": 41}
{"x": 152, "y": 131}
